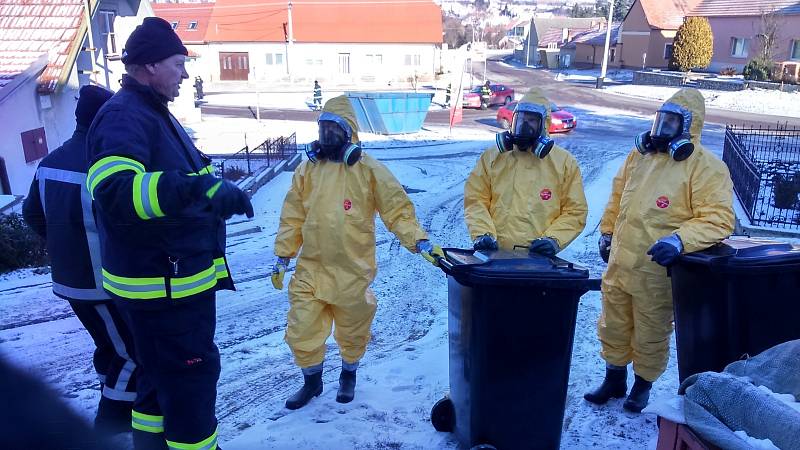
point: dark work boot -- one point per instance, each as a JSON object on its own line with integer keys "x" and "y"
{"x": 640, "y": 394}
{"x": 615, "y": 385}
{"x": 347, "y": 386}
{"x": 113, "y": 416}
{"x": 312, "y": 387}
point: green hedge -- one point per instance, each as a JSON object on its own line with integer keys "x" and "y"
{"x": 19, "y": 245}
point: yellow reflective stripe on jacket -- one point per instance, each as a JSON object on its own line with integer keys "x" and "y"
{"x": 221, "y": 268}
{"x": 135, "y": 288}
{"x": 207, "y": 170}
{"x": 105, "y": 167}
{"x": 146, "y": 422}
{"x": 145, "y": 195}
{"x": 186, "y": 286}
{"x": 209, "y": 443}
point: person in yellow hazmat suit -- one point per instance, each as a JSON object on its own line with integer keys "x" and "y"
{"x": 526, "y": 190}
{"x": 671, "y": 196}
{"x": 329, "y": 211}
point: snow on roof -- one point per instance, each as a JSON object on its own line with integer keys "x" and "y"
{"x": 556, "y": 35}
{"x": 190, "y": 20}
{"x": 378, "y": 21}
{"x": 718, "y": 8}
{"x": 31, "y": 28}
{"x": 595, "y": 38}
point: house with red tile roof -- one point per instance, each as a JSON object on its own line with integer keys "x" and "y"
{"x": 48, "y": 50}
{"x": 334, "y": 41}
{"x": 585, "y": 50}
{"x": 738, "y": 28}
{"x": 548, "y": 34}
{"x": 648, "y": 32}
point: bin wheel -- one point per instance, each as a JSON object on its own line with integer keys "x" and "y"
{"x": 484, "y": 447}
{"x": 443, "y": 415}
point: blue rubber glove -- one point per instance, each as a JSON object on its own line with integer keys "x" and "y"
{"x": 278, "y": 271}
{"x": 544, "y": 246}
{"x": 226, "y": 198}
{"x": 666, "y": 250}
{"x": 485, "y": 242}
{"x": 604, "y": 246}
{"x": 430, "y": 252}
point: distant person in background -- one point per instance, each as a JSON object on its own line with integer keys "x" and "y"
{"x": 198, "y": 88}
{"x": 317, "y": 96}
{"x": 58, "y": 208}
{"x": 447, "y": 94}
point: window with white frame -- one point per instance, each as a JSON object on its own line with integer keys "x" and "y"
{"x": 795, "y": 52}
{"x": 413, "y": 60}
{"x": 668, "y": 49}
{"x": 107, "y": 30}
{"x": 175, "y": 24}
{"x": 192, "y": 25}
{"x": 739, "y": 47}
{"x": 374, "y": 59}
{"x": 275, "y": 59}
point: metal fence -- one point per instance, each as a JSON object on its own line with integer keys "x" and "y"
{"x": 765, "y": 168}
{"x": 248, "y": 161}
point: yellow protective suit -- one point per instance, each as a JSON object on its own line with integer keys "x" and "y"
{"x": 330, "y": 212}
{"x": 517, "y": 197}
{"x": 654, "y": 196}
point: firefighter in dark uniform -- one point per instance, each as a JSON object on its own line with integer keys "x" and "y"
{"x": 58, "y": 208}
{"x": 486, "y": 95}
{"x": 448, "y": 94}
{"x": 317, "y": 96}
{"x": 161, "y": 218}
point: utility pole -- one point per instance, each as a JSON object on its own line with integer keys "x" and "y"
{"x": 290, "y": 47}
{"x": 608, "y": 42}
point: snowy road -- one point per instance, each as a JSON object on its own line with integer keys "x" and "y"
{"x": 405, "y": 369}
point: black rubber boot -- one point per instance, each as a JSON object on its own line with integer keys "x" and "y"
{"x": 347, "y": 386}
{"x": 615, "y": 385}
{"x": 113, "y": 417}
{"x": 640, "y": 394}
{"x": 312, "y": 387}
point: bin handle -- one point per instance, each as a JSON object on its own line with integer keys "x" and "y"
{"x": 445, "y": 265}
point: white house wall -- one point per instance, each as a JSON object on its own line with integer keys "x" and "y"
{"x": 18, "y": 113}
{"x": 309, "y": 61}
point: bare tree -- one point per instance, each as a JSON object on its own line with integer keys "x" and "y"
{"x": 767, "y": 35}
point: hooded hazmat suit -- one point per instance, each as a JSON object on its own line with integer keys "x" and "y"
{"x": 654, "y": 196}
{"x": 516, "y": 196}
{"x": 330, "y": 212}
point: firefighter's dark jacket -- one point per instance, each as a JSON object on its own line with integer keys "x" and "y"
{"x": 161, "y": 243}
{"x": 59, "y": 209}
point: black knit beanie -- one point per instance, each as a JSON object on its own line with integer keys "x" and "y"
{"x": 152, "y": 41}
{"x": 89, "y": 102}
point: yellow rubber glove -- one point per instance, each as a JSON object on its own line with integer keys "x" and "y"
{"x": 432, "y": 253}
{"x": 278, "y": 271}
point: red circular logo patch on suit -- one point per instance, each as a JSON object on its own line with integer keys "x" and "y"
{"x": 662, "y": 202}
{"x": 545, "y": 194}
{"x": 347, "y": 205}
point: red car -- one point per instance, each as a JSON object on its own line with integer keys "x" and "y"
{"x": 501, "y": 95}
{"x": 561, "y": 121}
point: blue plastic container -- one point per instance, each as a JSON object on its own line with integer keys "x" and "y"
{"x": 390, "y": 112}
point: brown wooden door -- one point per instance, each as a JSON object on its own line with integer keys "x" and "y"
{"x": 234, "y": 66}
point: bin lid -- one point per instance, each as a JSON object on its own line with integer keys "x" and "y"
{"x": 516, "y": 265}
{"x": 740, "y": 252}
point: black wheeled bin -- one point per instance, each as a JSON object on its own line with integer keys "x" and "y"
{"x": 511, "y": 327}
{"x": 737, "y": 298}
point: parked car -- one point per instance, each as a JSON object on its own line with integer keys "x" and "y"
{"x": 561, "y": 121}
{"x": 501, "y": 95}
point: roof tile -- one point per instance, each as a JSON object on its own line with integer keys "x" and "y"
{"x": 29, "y": 28}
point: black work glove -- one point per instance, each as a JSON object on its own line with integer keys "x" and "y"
{"x": 485, "y": 242}
{"x": 226, "y": 198}
{"x": 666, "y": 250}
{"x": 604, "y": 246}
{"x": 544, "y": 246}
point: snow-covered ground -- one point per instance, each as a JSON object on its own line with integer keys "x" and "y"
{"x": 758, "y": 101}
{"x": 590, "y": 76}
{"x": 405, "y": 369}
